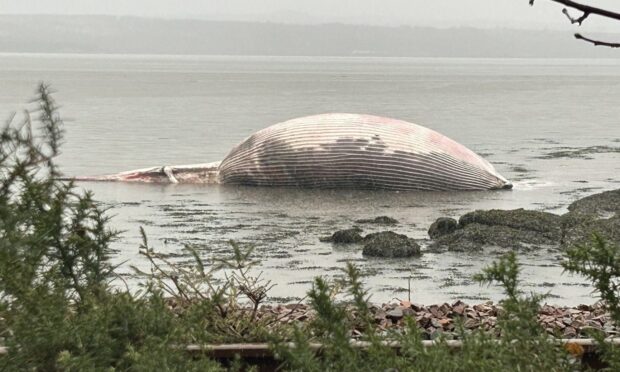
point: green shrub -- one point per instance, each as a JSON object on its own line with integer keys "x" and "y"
{"x": 599, "y": 262}
{"x": 58, "y": 309}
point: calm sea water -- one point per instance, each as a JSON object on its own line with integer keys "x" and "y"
{"x": 125, "y": 112}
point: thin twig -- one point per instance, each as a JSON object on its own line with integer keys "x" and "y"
{"x": 277, "y": 319}
{"x": 575, "y": 20}
{"x": 597, "y": 42}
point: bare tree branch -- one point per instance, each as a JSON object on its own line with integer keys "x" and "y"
{"x": 586, "y": 9}
{"x": 597, "y": 42}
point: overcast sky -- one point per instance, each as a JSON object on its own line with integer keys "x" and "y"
{"x": 440, "y": 13}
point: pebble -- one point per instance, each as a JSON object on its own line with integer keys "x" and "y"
{"x": 395, "y": 314}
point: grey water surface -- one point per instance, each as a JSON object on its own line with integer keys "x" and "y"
{"x": 550, "y": 126}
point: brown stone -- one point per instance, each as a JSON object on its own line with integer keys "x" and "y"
{"x": 445, "y": 309}
{"x": 594, "y": 324}
{"x": 564, "y": 321}
{"x": 395, "y": 314}
{"x": 558, "y": 324}
{"x": 459, "y": 308}
{"x": 570, "y": 332}
{"x": 471, "y": 313}
{"x": 471, "y": 323}
{"x": 408, "y": 311}
{"x": 379, "y": 316}
{"x": 423, "y": 321}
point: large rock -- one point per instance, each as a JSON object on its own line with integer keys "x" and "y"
{"x": 527, "y": 229}
{"x": 598, "y": 213}
{"x": 345, "y": 236}
{"x": 390, "y": 244}
{"x": 475, "y": 236}
{"x": 543, "y": 223}
{"x": 604, "y": 204}
{"x": 515, "y": 229}
{"x": 442, "y": 226}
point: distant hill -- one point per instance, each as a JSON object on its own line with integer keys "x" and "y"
{"x": 107, "y": 34}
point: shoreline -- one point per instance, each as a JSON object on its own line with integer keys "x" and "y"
{"x": 562, "y": 322}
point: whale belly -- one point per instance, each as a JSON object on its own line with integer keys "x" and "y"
{"x": 356, "y": 151}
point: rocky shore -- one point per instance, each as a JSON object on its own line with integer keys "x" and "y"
{"x": 435, "y": 320}
{"x": 528, "y": 229}
{"x": 518, "y": 229}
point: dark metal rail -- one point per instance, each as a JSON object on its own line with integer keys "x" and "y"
{"x": 261, "y": 355}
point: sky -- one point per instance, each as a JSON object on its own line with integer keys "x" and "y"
{"x": 439, "y": 13}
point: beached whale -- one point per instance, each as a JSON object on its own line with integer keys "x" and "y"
{"x": 337, "y": 151}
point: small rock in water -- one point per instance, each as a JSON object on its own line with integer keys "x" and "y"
{"x": 442, "y": 226}
{"x": 381, "y": 220}
{"x": 347, "y": 236}
{"x": 390, "y": 244}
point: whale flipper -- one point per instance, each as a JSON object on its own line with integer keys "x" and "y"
{"x": 205, "y": 173}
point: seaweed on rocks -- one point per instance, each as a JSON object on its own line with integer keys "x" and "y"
{"x": 442, "y": 226}
{"x": 515, "y": 229}
{"x": 390, "y": 244}
{"x": 529, "y": 229}
{"x": 580, "y": 153}
{"x": 546, "y": 224}
{"x": 598, "y": 213}
{"x": 346, "y": 236}
{"x": 381, "y": 220}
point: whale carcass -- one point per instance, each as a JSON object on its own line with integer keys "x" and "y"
{"x": 338, "y": 151}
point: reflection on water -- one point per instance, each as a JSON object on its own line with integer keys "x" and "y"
{"x": 139, "y": 111}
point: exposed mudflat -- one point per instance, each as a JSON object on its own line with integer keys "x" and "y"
{"x": 285, "y": 226}
{"x": 581, "y": 152}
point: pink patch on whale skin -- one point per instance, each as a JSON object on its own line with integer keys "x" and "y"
{"x": 442, "y": 142}
{"x": 456, "y": 149}
{"x": 401, "y": 126}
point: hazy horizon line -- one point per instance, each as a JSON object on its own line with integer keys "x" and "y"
{"x": 309, "y": 23}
